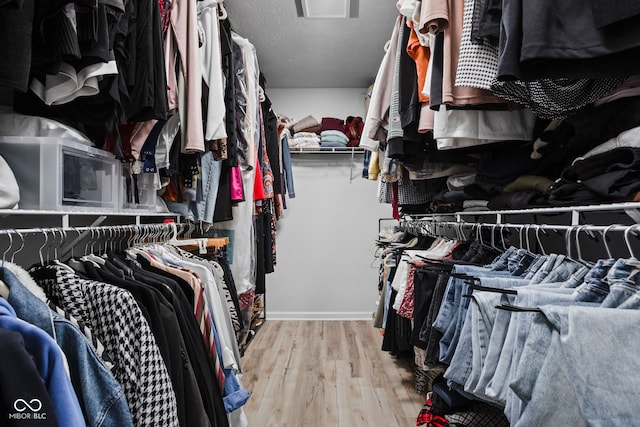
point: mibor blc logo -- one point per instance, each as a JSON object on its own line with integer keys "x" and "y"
{"x": 27, "y": 410}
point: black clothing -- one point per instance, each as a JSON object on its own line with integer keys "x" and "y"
{"x": 223, "y": 210}
{"x": 409, "y": 105}
{"x": 164, "y": 325}
{"x": 196, "y": 348}
{"x": 272, "y": 142}
{"x": 437, "y": 71}
{"x": 486, "y": 22}
{"x": 604, "y": 14}
{"x": 228, "y": 70}
{"x": 21, "y": 378}
{"x": 611, "y": 176}
{"x": 585, "y": 130}
{"x": 15, "y": 46}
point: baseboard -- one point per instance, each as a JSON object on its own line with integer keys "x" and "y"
{"x": 319, "y": 315}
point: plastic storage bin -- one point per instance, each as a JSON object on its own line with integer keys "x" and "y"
{"x": 138, "y": 191}
{"x": 60, "y": 174}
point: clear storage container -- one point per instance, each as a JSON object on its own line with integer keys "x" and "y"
{"x": 60, "y": 174}
{"x": 138, "y": 191}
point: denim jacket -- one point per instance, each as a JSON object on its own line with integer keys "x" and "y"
{"x": 49, "y": 361}
{"x": 101, "y": 397}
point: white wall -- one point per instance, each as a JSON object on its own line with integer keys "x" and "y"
{"x": 323, "y": 242}
{"x": 325, "y": 102}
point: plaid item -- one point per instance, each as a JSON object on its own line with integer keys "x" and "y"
{"x": 480, "y": 415}
{"x": 117, "y": 321}
{"x": 427, "y": 417}
{"x": 409, "y": 192}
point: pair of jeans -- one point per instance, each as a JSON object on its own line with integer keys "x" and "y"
{"x": 204, "y": 206}
{"x": 518, "y": 262}
{"x": 535, "y": 266}
{"x": 500, "y": 263}
{"x": 479, "y": 254}
{"x": 477, "y": 326}
{"x": 470, "y": 354}
{"x": 624, "y": 282}
{"x": 504, "y": 343}
{"x": 562, "y": 384}
{"x": 453, "y": 308}
{"x": 562, "y": 270}
{"x": 530, "y": 296}
{"x": 576, "y": 278}
{"x": 595, "y": 287}
{"x": 525, "y": 260}
{"x": 545, "y": 269}
{"x": 482, "y": 334}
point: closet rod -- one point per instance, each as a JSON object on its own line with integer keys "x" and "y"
{"x": 158, "y": 232}
{"x": 627, "y": 207}
{"x": 327, "y": 150}
{"x": 105, "y": 228}
{"x": 472, "y": 225}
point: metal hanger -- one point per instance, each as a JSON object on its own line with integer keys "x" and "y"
{"x": 4, "y": 254}
{"x": 578, "y": 245}
{"x": 46, "y": 240}
{"x": 627, "y": 242}
{"x": 520, "y": 236}
{"x": 538, "y": 228}
{"x": 502, "y": 241}
{"x": 20, "y": 248}
{"x": 567, "y": 241}
{"x": 604, "y": 239}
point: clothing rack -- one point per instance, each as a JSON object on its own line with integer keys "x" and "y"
{"x": 63, "y": 242}
{"x": 573, "y": 240}
{"x": 326, "y": 150}
{"x": 575, "y": 215}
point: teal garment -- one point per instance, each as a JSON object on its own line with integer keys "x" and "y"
{"x": 333, "y": 138}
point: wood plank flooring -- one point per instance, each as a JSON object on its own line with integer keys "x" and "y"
{"x": 326, "y": 374}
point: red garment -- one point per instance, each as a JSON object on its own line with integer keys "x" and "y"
{"x": 427, "y": 417}
{"x": 353, "y": 129}
{"x": 331, "y": 123}
{"x": 394, "y": 200}
{"x": 258, "y": 185}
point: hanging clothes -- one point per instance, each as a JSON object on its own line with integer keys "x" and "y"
{"x": 104, "y": 403}
{"x": 127, "y": 337}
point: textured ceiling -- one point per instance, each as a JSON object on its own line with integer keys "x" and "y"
{"x": 314, "y": 53}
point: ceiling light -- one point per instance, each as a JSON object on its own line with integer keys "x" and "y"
{"x": 327, "y": 8}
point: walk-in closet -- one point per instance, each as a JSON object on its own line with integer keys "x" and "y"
{"x": 319, "y": 213}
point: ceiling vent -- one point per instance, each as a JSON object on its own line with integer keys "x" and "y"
{"x": 313, "y": 9}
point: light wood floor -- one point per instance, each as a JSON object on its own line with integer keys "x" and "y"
{"x": 326, "y": 374}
